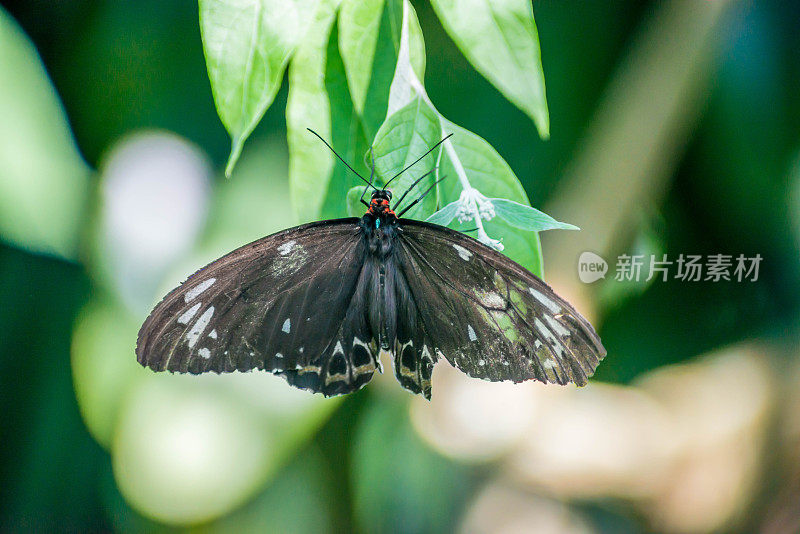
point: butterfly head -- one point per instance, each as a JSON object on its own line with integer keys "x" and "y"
{"x": 382, "y": 194}
{"x": 380, "y": 202}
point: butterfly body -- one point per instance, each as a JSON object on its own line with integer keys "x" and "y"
{"x": 316, "y": 304}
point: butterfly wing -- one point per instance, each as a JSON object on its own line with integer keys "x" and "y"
{"x": 414, "y": 351}
{"x": 489, "y": 316}
{"x": 287, "y": 303}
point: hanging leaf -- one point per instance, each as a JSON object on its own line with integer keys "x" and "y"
{"x": 347, "y": 135}
{"x": 308, "y": 106}
{"x": 247, "y": 45}
{"x": 359, "y": 23}
{"x": 369, "y": 41}
{"x": 501, "y": 41}
{"x": 402, "y": 139}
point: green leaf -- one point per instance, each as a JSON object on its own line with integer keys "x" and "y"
{"x": 405, "y": 136}
{"x": 359, "y": 22}
{"x": 488, "y": 172}
{"x": 369, "y": 40}
{"x": 527, "y": 218}
{"x": 310, "y": 163}
{"x": 44, "y": 183}
{"x": 247, "y": 46}
{"x": 386, "y": 58}
{"x": 347, "y": 135}
{"x": 445, "y": 215}
{"x": 319, "y": 98}
{"x": 354, "y": 206}
{"x": 501, "y": 41}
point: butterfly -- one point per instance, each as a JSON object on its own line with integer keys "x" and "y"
{"x": 317, "y": 304}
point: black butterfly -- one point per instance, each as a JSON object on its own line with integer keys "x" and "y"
{"x": 318, "y": 302}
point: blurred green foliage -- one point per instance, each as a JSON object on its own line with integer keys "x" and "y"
{"x": 378, "y": 48}
{"x": 45, "y": 182}
{"x": 120, "y": 67}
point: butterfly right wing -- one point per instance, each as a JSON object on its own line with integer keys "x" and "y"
{"x": 488, "y": 315}
{"x": 287, "y": 303}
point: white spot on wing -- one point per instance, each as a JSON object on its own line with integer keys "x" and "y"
{"x": 464, "y": 253}
{"x": 491, "y": 299}
{"x": 557, "y": 327}
{"x": 292, "y": 257}
{"x": 547, "y": 334}
{"x": 287, "y": 326}
{"x": 426, "y": 353}
{"x": 481, "y": 362}
{"x": 549, "y": 364}
{"x": 541, "y": 297}
{"x": 188, "y": 314}
{"x": 204, "y": 352}
{"x": 213, "y": 334}
{"x": 471, "y": 332}
{"x": 278, "y": 355}
{"x": 287, "y": 247}
{"x": 199, "y": 326}
{"x": 199, "y": 288}
{"x": 338, "y": 349}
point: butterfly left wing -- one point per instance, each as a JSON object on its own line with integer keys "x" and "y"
{"x": 287, "y": 303}
{"x": 489, "y": 316}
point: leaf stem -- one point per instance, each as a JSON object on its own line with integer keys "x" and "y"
{"x": 400, "y": 94}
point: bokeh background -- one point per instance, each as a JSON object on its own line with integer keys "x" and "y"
{"x": 674, "y": 129}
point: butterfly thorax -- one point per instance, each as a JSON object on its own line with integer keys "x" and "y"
{"x": 379, "y": 232}
{"x": 380, "y": 225}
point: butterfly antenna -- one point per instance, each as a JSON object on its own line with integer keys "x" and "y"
{"x": 397, "y": 204}
{"x": 448, "y": 136}
{"x": 368, "y": 182}
{"x": 420, "y": 197}
{"x": 371, "y": 176}
{"x": 361, "y": 198}
{"x": 371, "y": 165}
